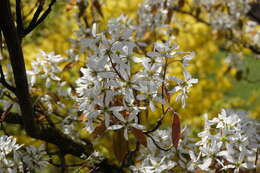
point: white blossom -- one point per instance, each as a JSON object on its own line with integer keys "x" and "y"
{"x": 183, "y": 86}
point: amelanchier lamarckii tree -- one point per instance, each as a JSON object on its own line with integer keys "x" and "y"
{"x": 125, "y": 79}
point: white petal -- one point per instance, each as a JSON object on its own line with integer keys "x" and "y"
{"x": 186, "y": 74}
{"x": 141, "y": 97}
{"x": 192, "y": 155}
{"x": 115, "y": 127}
{"x": 137, "y": 126}
{"x": 206, "y": 164}
{"x": 151, "y": 105}
{"x": 107, "y": 120}
{"x": 132, "y": 115}
{"x": 153, "y": 54}
{"x": 94, "y": 30}
{"x": 193, "y": 81}
{"x": 116, "y": 108}
{"x": 126, "y": 134}
{"x": 119, "y": 116}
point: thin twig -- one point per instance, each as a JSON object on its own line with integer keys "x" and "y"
{"x": 158, "y": 124}
{"x": 157, "y": 145}
{"x": 190, "y": 14}
{"x": 63, "y": 162}
{"x": 2, "y": 76}
{"x": 4, "y": 82}
{"x": 38, "y": 20}
{"x": 3, "y": 128}
{"x": 25, "y": 16}
{"x": 256, "y": 159}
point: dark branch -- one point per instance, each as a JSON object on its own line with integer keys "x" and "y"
{"x": 254, "y": 49}
{"x": 12, "y": 118}
{"x": 2, "y": 76}
{"x": 190, "y": 14}
{"x": 28, "y": 13}
{"x": 36, "y": 20}
{"x": 17, "y": 62}
{"x": 53, "y": 135}
{"x": 4, "y": 82}
{"x": 157, "y": 145}
{"x": 158, "y": 124}
{"x": 254, "y": 12}
{"x": 19, "y": 19}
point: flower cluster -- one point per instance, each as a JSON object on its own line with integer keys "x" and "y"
{"x": 225, "y": 14}
{"x": 21, "y": 161}
{"x": 228, "y": 142}
{"x": 112, "y": 91}
{"x": 252, "y": 32}
{"x": 160, "y": 156}
{"x": 50, "y": 69}
{"x": 33, "y": 157}
{"x": 153, "y": 15}
{"x": 8, "y": 145}
{"x": 46, "y": 67}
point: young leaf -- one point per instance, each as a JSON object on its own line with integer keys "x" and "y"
{"x": 99, "y": 130}
{"x": 120, "y": 145}
{"x": 176, "y": 129}
{"x": 140, "y": 136}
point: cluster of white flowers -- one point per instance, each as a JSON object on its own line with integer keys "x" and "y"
{"x": 225, "y": 14}
{"x": 153, "y": 15}
{"x": 7, "y": 146}
{"x": 34, "y": 157}
{"x": 46, "y": 67}
{"x": 252, "y": 32}
{"x": 160, "y": 156}
{"x": 222, "y": 14}
{"x": 111, "y": 90}
{"x": 14, "y": 159}
{"x": 228, "y": 142}
{"x": 94, "y": 159}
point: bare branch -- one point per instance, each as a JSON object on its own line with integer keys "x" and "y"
{"x": 36, "y": 20}
{"x": 17, "y": 62}
{"x": 157, "y": 145}
{"x": 190, "y": 14}
{"x": 12, "y": 118}
{"x": 4, "y": 82}
{"x": 19, "y": 20}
